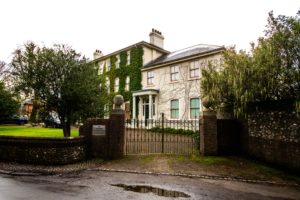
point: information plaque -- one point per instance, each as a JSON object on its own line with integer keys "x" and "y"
{"x": 98, "y": 130}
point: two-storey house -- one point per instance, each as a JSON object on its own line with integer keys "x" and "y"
{"x": 120, "y": 71}
{"x": 171, "y": 83}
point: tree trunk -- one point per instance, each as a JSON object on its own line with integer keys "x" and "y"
{"x": 66, "y": 128}
{"x": 35, "y": 107}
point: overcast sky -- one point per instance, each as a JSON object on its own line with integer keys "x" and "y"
{"x": 110, "y": 25}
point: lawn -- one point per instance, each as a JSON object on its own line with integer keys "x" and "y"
{"x": 34, "y": 131}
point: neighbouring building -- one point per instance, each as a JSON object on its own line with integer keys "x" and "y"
{"x": 153, "y": 81}
{"x": 26, "y": 107}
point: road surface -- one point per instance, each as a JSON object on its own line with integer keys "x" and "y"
{"x": 108, "y": 186}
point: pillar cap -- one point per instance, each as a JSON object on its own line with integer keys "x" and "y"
{"x": 118, "y": 100}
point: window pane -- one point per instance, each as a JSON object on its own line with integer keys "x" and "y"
{"x": 194, "y": 113}
{"x": 173, "y": 77}
{"x": 150, "y": 77}
{"x": 197, "y": 72}
{"x": 194, "y": 108}
{"x": 195, "y": 103}
{"x": 174, "y": 114}
{"x": 174, "y": 104}
{"x": 175, "y": 109}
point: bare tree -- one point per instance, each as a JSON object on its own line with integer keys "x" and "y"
{"x": 5, "y": 75}
{"x": 2, "y": 69}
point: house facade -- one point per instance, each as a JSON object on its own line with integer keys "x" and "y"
{"x": 153, "y": 80}
{"x": 120, "y": 71}
{"x": 171, "y": 83}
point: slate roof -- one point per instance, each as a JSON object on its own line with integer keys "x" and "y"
{"x": 184, "y": 53}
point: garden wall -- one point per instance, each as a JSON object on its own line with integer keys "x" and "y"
{"x": 53, "y": 151}
{"x": 274, "y": 134}
{"x": 228, "y": 136}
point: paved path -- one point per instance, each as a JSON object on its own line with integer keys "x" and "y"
{"x": 98, "y": 185}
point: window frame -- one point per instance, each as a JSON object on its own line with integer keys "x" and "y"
{"x": 108, "y": 65}
{"x": 174, "y": 72}
{"x": 107, "y": 84}
{"x": 197, "y": 109}
{"x": 128, "y": 58}
{"x": 101, "y": 67}
{"x": 193, "y": 68}
{"x": 117, "y": 80}
{"x": 127, "y": 83}
{"x": 150, "y": 77}
{"x": 117, "y": 61}
{"x": 172, "y": 109}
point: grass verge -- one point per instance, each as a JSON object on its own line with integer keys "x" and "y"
{"x": 233, "y": 166}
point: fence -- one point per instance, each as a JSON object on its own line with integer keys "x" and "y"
{"x": 162, "y": 136}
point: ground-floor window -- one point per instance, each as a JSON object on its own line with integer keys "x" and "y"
{"x": 194, "y": 108}
{"x": 106, "y": 111}
{"x": 146, "y": 106}
{"x": 174, "y": 109}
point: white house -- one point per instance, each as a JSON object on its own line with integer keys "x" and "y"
{"x": 116, "y": 69}
{"x": 171, "y": 83}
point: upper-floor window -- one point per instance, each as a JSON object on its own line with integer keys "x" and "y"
{"x": 150, "y": 77}
{"x": 106, "y": 111}
{"x": 194, "y": 108}
{"x": 117, "y": 61}
{"x": 174, "y": 73}
{"x": 127, "y": 82}
{"x": 194, "y": 69}
{"x": 117, "y": 85}
{"x": 100, "y": 71}
{"x": 108, "y": 65}
{"x": 128, "y": 58}
{"x": 107, "y": 84}
{"x": 174, "y": 109}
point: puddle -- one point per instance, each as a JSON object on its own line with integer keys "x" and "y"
{"x": 147, "y": 189}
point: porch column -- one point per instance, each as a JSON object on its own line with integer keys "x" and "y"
{"x": 140, "y": 115}
{"x": 134, "y": 107}
{"x": 150, "y": 107}
{"x": 156, "y": 107}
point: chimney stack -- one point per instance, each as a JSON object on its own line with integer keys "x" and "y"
{"x": 97, "y": 54}
{"x": 156, "y": 38}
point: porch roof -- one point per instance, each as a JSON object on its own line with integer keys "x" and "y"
{"x": 145, "y": 92}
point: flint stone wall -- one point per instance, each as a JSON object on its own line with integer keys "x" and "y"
{"x": 46, "y": 151}
{"x": 274, "y": 134}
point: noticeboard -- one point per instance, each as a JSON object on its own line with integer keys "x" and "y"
{"x": 99, "y": 130}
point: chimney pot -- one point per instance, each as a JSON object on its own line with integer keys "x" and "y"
{"x": 156, "y": 38}
{"x": 97, "y": 54}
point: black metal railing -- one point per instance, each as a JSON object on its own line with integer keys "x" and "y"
{"x": 162, "y": 136}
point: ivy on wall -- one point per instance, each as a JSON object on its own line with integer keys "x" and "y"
{"x": 133, "y": 70}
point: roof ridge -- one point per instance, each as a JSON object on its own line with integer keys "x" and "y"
{"x": 197, "y": 46}
{"x": 194, "y": 50}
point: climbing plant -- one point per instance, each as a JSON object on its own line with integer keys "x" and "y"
{"x": 131, "y": 69}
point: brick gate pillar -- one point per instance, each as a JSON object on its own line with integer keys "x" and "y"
{"x": 117, "y": 129}
{"x": 208, "y": 131}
